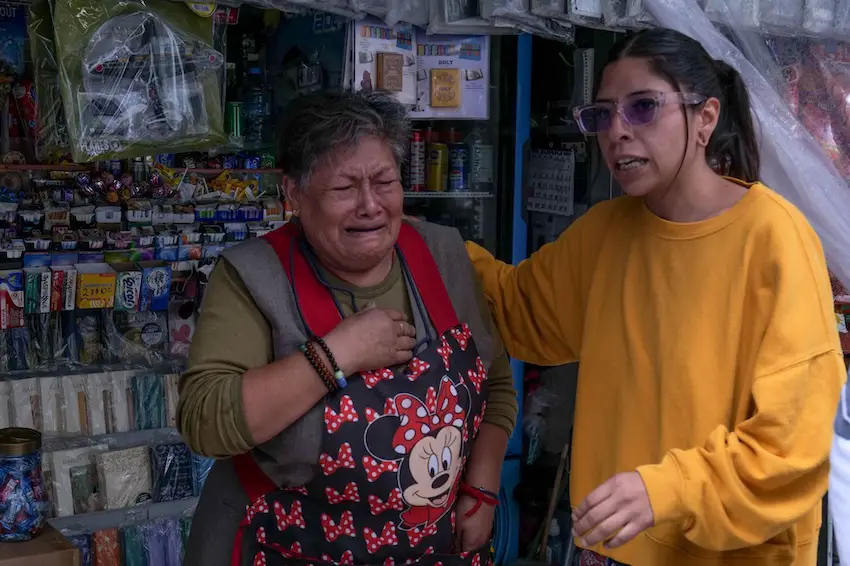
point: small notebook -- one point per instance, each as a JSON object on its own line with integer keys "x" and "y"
{"x": 390, "y": 68}
{"x": 125, "y": 477}
{"x": 172, "y": 472}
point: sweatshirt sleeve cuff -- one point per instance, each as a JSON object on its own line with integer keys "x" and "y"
{"x": 663, "y": 484}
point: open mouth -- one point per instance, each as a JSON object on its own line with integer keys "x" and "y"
{"x": 370, "y": 230}
{"x": 631, "y": 164}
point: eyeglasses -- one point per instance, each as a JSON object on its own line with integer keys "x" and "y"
{"x": 637, "y": 109}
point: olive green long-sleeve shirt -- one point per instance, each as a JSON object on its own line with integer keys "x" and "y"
{"x": 233, "y": 336}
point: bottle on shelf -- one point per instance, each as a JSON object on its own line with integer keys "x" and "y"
{"x": 555, "y": 547}
{"x": 256, "y": 107}
{"x": 481, "y": 154}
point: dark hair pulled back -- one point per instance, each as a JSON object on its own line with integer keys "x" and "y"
{"x": 685, "y": 64}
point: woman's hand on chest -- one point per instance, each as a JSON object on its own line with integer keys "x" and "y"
{"x": 372, "y": 339}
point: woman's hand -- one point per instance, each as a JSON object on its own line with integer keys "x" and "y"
{"x": 372, "y": 339}
{"x": 620, "y": 507}
{"x": 474, "y": 531}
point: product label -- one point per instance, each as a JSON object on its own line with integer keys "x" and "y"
{"x": 482, "y": 163}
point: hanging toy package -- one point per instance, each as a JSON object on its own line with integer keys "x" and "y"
{"x": 137, "y": 78}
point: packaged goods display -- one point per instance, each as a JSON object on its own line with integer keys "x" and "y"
{"x": 135, "y": 77}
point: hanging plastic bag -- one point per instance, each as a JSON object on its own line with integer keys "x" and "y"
{"x": 461, "y": 17}
{"x": 413, "y": 12}
{"x": 378, "y": 8}
{"x": 518, "y": 13}
{"x": 793, "y": 162}
{"x": 137, "y": 79}
{"x": 51, "y": 141}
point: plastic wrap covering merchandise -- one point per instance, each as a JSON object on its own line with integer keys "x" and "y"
{"x": 463, "y": 17}
{"x": 52, "y": 137}
{"x": 379, "y": 8}
{"x": 518, "y": 13}
{"x": 415, "y": 12}
{"x": 137, "y": 78}
{"x": 794, "y": 162}
{"x": 338, "y": 7}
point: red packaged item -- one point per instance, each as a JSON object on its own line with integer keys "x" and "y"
{"x": 23, "y": 111}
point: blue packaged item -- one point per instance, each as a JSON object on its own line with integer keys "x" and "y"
{"x": 167, "y": 253}
{"x": 201, "y": 466}
{"x": 172, "y": 472}
{"x": 83, "y": 542}
{"x": 149, "y": 401}
{"x": 22, "y": 498}
{"x": 156, "y": 285}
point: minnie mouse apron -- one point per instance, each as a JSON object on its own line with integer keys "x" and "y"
{"x": 394, "y": 444}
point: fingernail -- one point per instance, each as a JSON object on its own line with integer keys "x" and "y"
{"x": 575, "y": 534}
{"x": 583, "y": 542}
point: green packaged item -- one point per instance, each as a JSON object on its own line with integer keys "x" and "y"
{"x": 138, "y": 78}
{"x": 133, "y": 551}
{"x": 51, "y": 143}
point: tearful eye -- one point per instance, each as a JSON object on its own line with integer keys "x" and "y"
{"x": 433, "y": 466}
{"x": 447, "y": 458}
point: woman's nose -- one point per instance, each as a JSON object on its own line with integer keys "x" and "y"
{"x": 368, "y": 204}
{"x": 619, "y": 129}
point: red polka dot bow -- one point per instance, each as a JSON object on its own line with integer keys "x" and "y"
{"x": 372, "y": 378}
{"x": 394, "y": 502}
{"x": 350, "y": 493}
{"x": 462, "y": 335}
{"x": 416, "y": 534}
{"x": 333, "y": 530}
{"x": 418, "y": 420}
{"x": 375, "y": 542}
{"x": 374, "y": 468}
{"x": 294, "y": 518}
{"x": 416, "y": 368}
{"x": 478, "y": 375}
{"x": 347, "y": 414}
{"x": 344, "y": 459}
{"x": 346, "y": 560}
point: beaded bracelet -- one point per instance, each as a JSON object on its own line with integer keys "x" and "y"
{"x": 309, "y": 351}
{"x": 339, "y": 376}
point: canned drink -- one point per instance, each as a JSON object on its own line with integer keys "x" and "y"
{"x": 166, "y": 160}
{"x": 437, "y": 166}
{"x": 251, "y": 162}
{"x": 458, "y": 167}
{"x": 416, "y": 167}
{"x": 230, "y": 162}
{"x": 233, "y": 117}
{"x": 115, "y": 167}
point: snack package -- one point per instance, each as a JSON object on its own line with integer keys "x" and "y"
{"x": 137, "y": 78}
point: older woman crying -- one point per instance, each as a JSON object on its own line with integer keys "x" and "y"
{"x": 345, "y": 370}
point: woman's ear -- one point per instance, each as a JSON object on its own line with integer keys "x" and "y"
{"x": 706, "y": 121}
{"x": 292, "y": 192}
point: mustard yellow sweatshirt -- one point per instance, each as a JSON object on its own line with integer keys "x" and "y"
{"x": 709, "y": 363}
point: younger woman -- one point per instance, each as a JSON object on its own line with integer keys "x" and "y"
{"x": 700, "y": 309}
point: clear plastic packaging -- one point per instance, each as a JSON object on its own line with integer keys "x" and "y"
{"x": 163, "y": 542}
{"x": 462, "y": 17}
{"x": 798, "y": 89}
{"x": 201, "y": 466}
{"x": 172, "y": 472}
{"x": 137, "y": 79}
{"x": 84, "y": 542}
{"x": 107, "y": 547}
{"x": 378, "y": 8}
{"x": 518, "y": 13}
{"x": 73, "y": 480}
{"x": 413, "y": 12}
{"x": 124, "y": 477}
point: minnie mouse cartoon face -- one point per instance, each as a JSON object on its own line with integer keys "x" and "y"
{"x": 426, "y": 438}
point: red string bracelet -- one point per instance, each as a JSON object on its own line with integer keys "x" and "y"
{"x": 480, "y": 495}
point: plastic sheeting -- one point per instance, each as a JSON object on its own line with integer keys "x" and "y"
{"x": 800, "y": 93}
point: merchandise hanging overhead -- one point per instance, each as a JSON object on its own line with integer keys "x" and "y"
{"x": 799, "y": 89}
